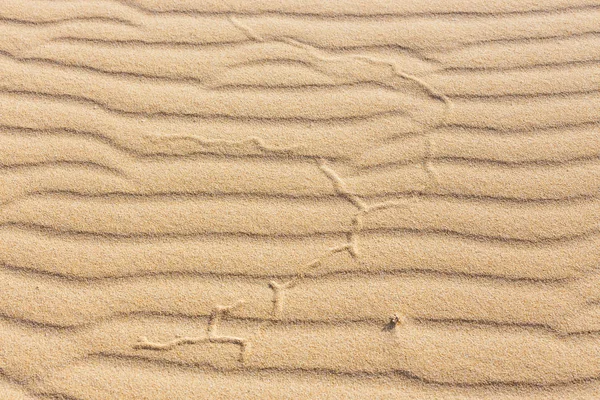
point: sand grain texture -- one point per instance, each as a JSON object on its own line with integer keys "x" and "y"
{"x": 299, "y": 199}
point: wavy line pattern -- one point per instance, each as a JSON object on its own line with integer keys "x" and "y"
{"x": 205, "y": 384}
{"x": 451, "y": 298}
{"x": 204, "y": 216}
{"x": 331, "y": 164}
{"x": 438, "y": 33}
{"x": 103, "y": 257}
{"x": 339, "y": 8}
{"x": 94, "y": 169}
{"x": 381, "y": 354}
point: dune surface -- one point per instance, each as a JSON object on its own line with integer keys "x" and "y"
{"x": 299, "y": 199}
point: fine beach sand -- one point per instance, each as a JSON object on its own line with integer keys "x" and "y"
{"x": 299, "y": 199}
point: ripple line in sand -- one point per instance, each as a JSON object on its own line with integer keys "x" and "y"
{"x": 380, "y": 9}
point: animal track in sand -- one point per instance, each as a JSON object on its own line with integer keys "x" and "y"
{"x": 212, "y": 335}
{"x": 352, "y": 236}
{"x": 341, "y": 190}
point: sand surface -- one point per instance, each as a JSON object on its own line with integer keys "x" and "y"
{"x": 299, "y": 199}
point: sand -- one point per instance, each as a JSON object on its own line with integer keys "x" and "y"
{"x": 299, "y": 199}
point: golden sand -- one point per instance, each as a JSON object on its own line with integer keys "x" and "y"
{"x": 299, "y": 199}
